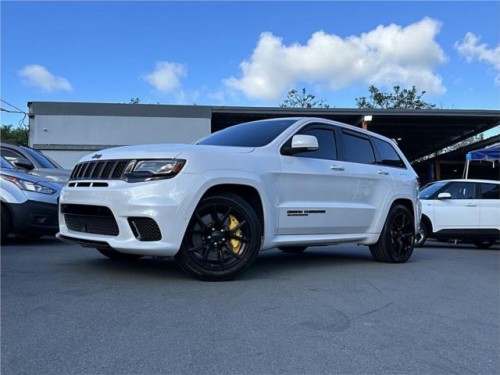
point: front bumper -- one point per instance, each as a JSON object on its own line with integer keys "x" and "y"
{"x": 107, "y": 216}
{"x": 33, "y": 218}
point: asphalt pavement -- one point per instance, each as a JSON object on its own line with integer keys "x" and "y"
{"x": 332, "y": 310}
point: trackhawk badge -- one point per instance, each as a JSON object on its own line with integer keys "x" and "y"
{"x": 96, "y": 156}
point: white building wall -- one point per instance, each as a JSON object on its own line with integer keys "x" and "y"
{"x": 66, "y": 138}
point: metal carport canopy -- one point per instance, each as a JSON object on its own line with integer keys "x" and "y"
{"x": 418, "y": 132}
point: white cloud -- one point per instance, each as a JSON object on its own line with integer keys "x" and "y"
{"x": 39, "y": 76}
{"x": 386, "y": 56}
{"x": 472, "y": 50}
{"x": 167, "y": 76}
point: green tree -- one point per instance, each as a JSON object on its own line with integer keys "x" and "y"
{"x": 302, "y": 99}
{"x": 397, "y": 99}
{"x": 9, "y": 133}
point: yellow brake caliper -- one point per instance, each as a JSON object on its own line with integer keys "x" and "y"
{"x": 235, "y": 244}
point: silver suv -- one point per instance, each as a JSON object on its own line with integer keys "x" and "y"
{"x": 28, "y": 202}
{"x": 33, "y": 161}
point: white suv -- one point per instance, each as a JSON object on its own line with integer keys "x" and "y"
{"x": 467, "y": 210}
{"x": 286, "y": 183}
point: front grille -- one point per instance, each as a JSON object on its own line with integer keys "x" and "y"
{"x": 100, "y": 170}
{"x": 90, "y": 219}
{"x": 144, "y": 228}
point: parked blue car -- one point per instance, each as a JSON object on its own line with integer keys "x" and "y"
{"x": 28, "y": 202}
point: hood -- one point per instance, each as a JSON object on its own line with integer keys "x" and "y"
{"x": 52, "y": 174}
{"x": 55, "y": 182}
{"x": 158, "y": 151}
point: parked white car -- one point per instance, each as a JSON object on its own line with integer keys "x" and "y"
{"x": 286, "y": 183}
{"x": 466, "y": 210}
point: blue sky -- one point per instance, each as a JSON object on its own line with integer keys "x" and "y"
{"x": 248, "y": 53}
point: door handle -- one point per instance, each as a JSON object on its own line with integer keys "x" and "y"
{"x": 470, "y": 205}
{"x": 336, "y": 168}
{"x": 383, "y": 173}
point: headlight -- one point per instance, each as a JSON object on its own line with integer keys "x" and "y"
{"x": 146, "y": 170}
{"x": 26, "y": 185}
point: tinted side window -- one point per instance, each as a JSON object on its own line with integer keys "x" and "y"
{"x": 357, "y": 149}
{"x": 326, "y": 143}
{"x": 388, "y": 156}
{"x": 490, "y": 191}
{"x": 460, "y": 190}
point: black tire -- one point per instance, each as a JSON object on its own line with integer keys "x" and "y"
{"x": 116, "y": 255}
{"x": 397, "y": 239}
{"x": 222, "y": 239}
{"x": 484, "y": 243}
{"x": 6, "y": 223}
{"x": 422, "y": 235}
{"x": 293, "y": 249}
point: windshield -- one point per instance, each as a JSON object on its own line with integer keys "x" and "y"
{"x": 41, "y": 159}
{"x": 248, "y": 134}
{"x": 430, "y": 189}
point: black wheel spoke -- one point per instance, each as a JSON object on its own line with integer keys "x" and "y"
{"x": 239, "y": 238}
{"x": 233, "y": 230}
{"x": 200, "y": 221}
{"x": 225, "y": 216}
{"x": 408, "y": 234}
{"x": 215, "y": 215}
{"x": 205, "y": 255}
{"x": 196, "y": 248}
{"x": 231, "y": 252}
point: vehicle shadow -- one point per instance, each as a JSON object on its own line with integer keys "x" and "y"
{"x": 456, "y": 245}
{"x": 267, "y": 262}
{"x": 146, "y": 267}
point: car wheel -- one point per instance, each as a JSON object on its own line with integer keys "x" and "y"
{"x": 421, "y": 235}
{"x": 293, "y": 249}
{"x": 116, "y": 255}
{"x": 222, "y": 239}
{"x": 484, "y": 244}
{"x": 397, "y": 239}
{"x": 6, "y": 223}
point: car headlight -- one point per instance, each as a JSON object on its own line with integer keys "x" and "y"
{"x": 153, "y": 169}
{"x": 26, "y": 185}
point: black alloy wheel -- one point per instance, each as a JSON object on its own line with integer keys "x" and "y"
{"x": 397, "y": 239}
{"x": 222, "y": 239}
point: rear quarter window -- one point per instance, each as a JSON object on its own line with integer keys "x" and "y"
{"x": 387, "y": 154}
{"x": 357, "y": 149}
{"x": 489, "y": 191}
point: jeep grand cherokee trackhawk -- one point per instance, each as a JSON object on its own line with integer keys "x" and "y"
{"x": 286, "y": 183}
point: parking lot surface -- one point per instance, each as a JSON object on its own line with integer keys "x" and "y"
{"x": 69, "y": 310}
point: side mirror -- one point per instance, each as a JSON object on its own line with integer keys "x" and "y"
{"x": 444, "y": 196}
{"x": 303, "y": 142}
{"x": 23, "y": 163}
